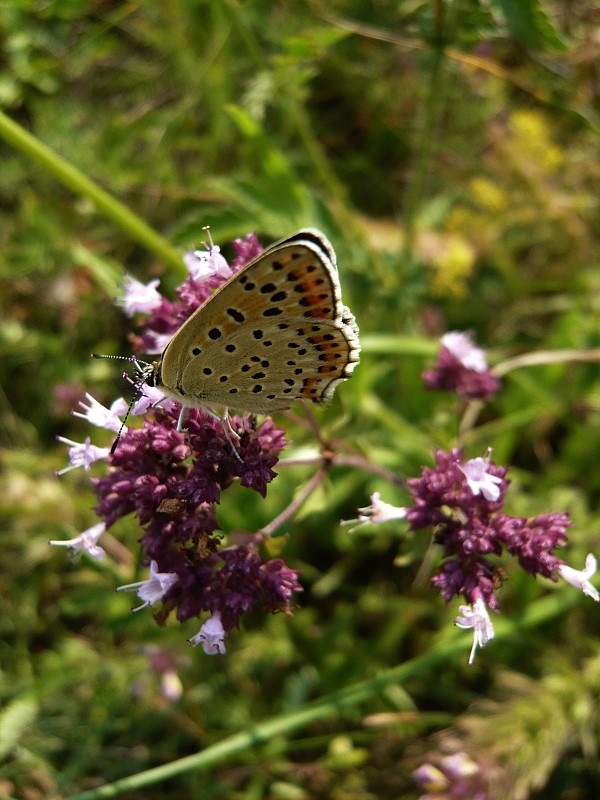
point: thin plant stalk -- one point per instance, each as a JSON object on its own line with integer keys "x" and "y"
{"x": 334, "y": 703}
{"x": 75, "y": 180}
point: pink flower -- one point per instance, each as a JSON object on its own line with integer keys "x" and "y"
{"x": 86, "y": 541}
{"x": 211, "y": 636}
{"x": 152, "y": 589}
{"x": 476, "y": 617}
{"x": 140, "y": 297}
{"x": 463, "y": 348}
{"x": 202, "y": 264}
{"x": 480, "y": 481}
{"x": 461, "y": 367}
{"x": 376, "y": 513}
{"x": 99, "y": 415}
{"x": 82, "y": 455}
{"x": 581, "y": 578}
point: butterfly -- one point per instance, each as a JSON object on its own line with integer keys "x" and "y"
{"x": 276, "y": 332}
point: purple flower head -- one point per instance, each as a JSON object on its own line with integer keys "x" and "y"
{"x": 159, "y": 470}
{"x": 171, "y": 480}
{"x": 445, "y": 494}
{"x": 232, "y": 582}
{"x": 532, "y": 540}
{"x": 246, "y": 249}
{"x": 461, "y": 367}
{"x": 459, "y": 502}
{"x": 463, "y": 503}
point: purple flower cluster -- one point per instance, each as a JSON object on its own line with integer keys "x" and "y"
{"x": 171, "y": 480}
{"x": 461, "y": 367}
{"x": 463, "y": 505}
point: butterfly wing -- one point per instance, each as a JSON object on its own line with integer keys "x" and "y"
{"x": 276, "y": 332}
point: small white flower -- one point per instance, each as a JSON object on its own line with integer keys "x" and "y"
{"x": 101, "y": 416}
{"x": 202, "y": 264}
{"x": 85, "y": 541}
{"x": 479, "y": 480}
{"x": 82, "y": 455}
{"x": 376, "y": 513}
{"x": 152, "y": 589}
{"x": 462, "y": 347}
{"x": 139, "y": 296}
{"x": 581, "y": 578}
{"x": 476, "y": 617}
{"x": 211, "y": 636}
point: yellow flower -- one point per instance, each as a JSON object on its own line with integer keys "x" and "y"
{"x": 451, "y": 259}
{"x": 532, "y": 136}
{"x": 488, "y": 194}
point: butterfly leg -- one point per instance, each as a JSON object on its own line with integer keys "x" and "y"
{"x": 181, "y": 419}
{"x": 229, "y": 432}
{"x": 227, "y": 429}
{"x": 156, "y": 403}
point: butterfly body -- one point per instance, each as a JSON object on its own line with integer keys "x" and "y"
{"x": 276, "y": 332}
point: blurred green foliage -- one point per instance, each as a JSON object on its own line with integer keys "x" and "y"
{"x": 450, "y": 151}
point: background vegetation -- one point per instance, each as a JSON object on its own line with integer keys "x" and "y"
{"x": 450, "y": 151}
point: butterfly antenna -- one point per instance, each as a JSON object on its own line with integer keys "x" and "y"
{"x": 132, "y": 402}
{"x": 137, "y": 386}
{"x": 118, "y": 358}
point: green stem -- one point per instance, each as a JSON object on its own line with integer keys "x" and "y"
{"x": 425, "y": 136}
{"x": 326, "y": 173}
{"x": 301, "y": 118}
{"x": 74, "y": 179}
{"x": 335, "y": 703}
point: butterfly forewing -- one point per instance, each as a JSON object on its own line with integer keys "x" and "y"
{"x": 276, "y": 332}
{"x": 314, "y": 238}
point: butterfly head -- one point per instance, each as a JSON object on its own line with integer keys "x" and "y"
{"x": 148, "y": 373}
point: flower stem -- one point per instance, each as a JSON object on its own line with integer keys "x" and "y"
{"x": 288, "y": 512}
{"x": 542, "y": 357}
{"x": 74, "y": 179}
{"x": 425, "y": 138}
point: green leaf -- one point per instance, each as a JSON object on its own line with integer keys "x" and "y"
{"x": 280, "y": 195}
{"x": 14, "y": 720}
{"x": 528, "y": 22}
